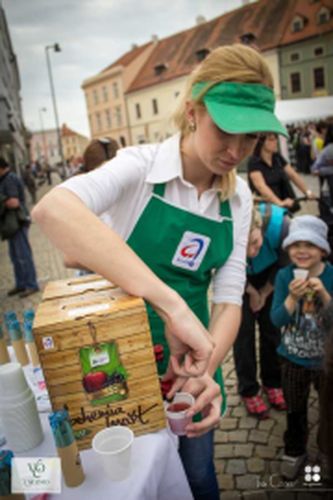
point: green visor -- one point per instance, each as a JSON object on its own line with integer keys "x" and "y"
{"x": 240, "y": 108}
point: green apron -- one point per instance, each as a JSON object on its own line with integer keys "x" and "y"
{"x": 183, "y": 249}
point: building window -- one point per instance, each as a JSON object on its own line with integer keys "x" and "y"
{"x": 323, "y": 16}
{"x": 201, "y": 54}
{"x": 297, "y": 24}
{"x": 122, "y": 141}
{"x": 177, "y": 93}
{"x": 294, "y": 56}
{"x": 319, "y": 78}
{"x": 141, "y": 139}
{"x": 108, "y": 118}
{"x": 115, "y": 90}
{"x": 105, "y": 94}
{"x": 138, "y": 110}
{"x": 98, "y": 122}
{"x": 160, "y": 68}
{"x": 295, "y": 82}
{"x": 318, "y": 51}
{"x": 118, "y": 116}
{"x": 95, "y": 96}
{"x": 155, "y": 106}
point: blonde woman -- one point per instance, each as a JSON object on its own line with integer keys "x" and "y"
{"x": 181, "y": 220}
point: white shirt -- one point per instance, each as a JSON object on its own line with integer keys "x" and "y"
{"x": 122, "y": 187}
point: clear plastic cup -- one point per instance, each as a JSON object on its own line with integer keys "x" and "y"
{"x": 301, "y": 273}
{"x": 114, "y": 445}
{"x": 176, "y": 412}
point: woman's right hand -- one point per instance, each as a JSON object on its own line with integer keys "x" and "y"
{"x": 190, "y": 343}
{"x": 287, "y": 203}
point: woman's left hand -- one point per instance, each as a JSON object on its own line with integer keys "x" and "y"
{"x": 208, "y": 400}
{"x": 310, "y": 195}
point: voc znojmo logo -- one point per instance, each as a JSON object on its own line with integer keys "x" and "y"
{"x": 191, "y": 251}
{"x": 36, "y": 475}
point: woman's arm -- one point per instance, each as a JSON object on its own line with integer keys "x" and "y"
{"x": 297, "y": 180}
{"x": 82, "y": 237}
{"x": 263, "y": 189}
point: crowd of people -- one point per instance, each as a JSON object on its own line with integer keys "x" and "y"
{"x": 174, "y": 221}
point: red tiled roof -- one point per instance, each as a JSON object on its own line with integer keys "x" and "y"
{"x": 267, "y": 19}
{"x": 309, "y": 10}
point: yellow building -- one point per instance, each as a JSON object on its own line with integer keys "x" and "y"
{"x": 105, "y": 95}
{"x": 73, "y": 144}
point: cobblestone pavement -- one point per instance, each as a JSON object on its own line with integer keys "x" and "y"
{"x": 247, "y": 452}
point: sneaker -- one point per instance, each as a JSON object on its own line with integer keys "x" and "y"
{"x": 15, "y": 291}
{"x": 256, "y": 407}
{"x": 276, "y": 398}
{"x": 28, "y": 291}
{"x": 292, "y": 466}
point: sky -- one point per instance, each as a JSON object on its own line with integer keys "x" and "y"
{"x": 92, "y": 34}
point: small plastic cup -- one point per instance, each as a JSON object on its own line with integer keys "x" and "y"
{"x": 113, "y": 445}
{"x": 301, "y": 273}
{"x": 176, "y": 412}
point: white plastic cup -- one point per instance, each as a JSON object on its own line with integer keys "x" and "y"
{"x": 114, "y": 445}
{"x": 18, "y": 410}
{"x": 176, "y": 412}
{"x": 12, "y": 380}
{"x": 301, "y": 273}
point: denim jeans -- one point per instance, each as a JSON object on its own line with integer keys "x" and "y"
{"x": 22, "y": 260}
{"x": 197, "y": 455}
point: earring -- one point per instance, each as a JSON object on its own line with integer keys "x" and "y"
{"x": 192, "y": 126}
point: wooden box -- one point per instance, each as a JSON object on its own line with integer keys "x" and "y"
{"x": 98, "y": 361}
{"x": 76, "y": 286}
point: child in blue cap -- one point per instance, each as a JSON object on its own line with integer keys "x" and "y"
{"x": 301, "y": 291}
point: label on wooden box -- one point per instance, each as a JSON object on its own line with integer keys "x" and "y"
{"x": 98, "y": 361}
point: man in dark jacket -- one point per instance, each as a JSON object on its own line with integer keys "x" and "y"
{"x": 11, "y": 188}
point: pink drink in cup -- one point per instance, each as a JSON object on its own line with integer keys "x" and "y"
{"x": 176, "y": 412}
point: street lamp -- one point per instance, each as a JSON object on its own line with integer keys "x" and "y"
{"x": 56, "y": 48}
{"x": 41, "y": 111}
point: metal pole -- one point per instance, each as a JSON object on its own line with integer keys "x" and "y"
{"x": 55, "y": 107}
{"x": 41, "y": 110}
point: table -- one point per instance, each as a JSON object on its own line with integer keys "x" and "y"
{"x": 157, "y": 472}
{"x": 156, "y": 469}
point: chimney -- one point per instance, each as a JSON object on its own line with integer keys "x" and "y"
{"x": 154, "y": 38}
{"x": 134, "y": 46}
{"x": 200, "y": 20}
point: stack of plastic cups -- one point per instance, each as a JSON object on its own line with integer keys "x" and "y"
{"x": 4, "y": 355}
{"x": 16, "y": 337}
{"x": 18, "y": 409}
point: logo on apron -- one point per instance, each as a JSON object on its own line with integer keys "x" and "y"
{"x": 191, "y": 251}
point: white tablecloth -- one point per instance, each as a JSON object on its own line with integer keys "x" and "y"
{"x": 156, "y": 471}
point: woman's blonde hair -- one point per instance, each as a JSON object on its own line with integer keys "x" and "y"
{"x": 231, "y": 63}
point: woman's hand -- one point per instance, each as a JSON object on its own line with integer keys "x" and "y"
{"x": 310, "y": 195}
{"x": 298, "y": 288}
{"x": 190, "y": 344}
{"x": 287, "y": 203}
{"x": 255, "y": 300}
{"x": 208, "y": 400}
